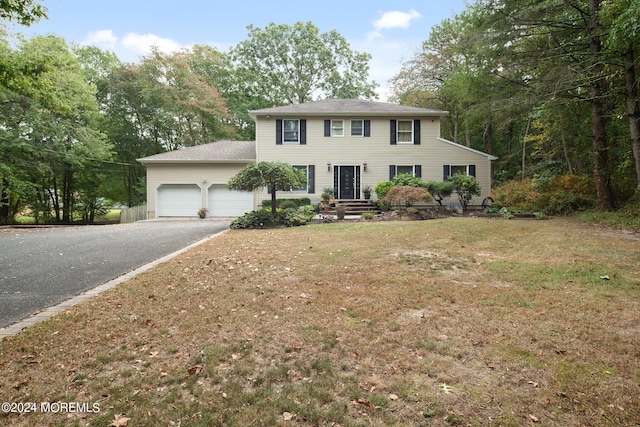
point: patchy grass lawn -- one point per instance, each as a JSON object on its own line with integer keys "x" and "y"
{"x": 458, "y": 321}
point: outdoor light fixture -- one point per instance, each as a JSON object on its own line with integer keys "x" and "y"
{"x": 364, "y": 166}
{"x": 328, "y": 166}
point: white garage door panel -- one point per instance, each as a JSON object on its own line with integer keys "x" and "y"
{"x": 179, "y": 200}
{"x": 223, "y": 202}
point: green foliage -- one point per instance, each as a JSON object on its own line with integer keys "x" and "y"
{"x": 382, "y": 188}
{"x": 272, "y": 175}
{"x": 263, "y": 218}
{"x": 407, "y": 196}
{"x": 408, "y": 180}
{"x": 625, "y": 218}
{"x": 286, "y": 64}
{"x": 254, "y": 219}
{"x": 440, "y": 190}
{"x": 24, "y": 12}
{"x": 466, "y": 187}
{"x": 518, "y": 194}
{"x": 288, "y": 203}
{"x": 564, "y": 194}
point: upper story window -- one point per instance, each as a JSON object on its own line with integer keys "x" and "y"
{"x": 357, "y": 127}
{"x": 405, "y": 131}
{"x": 291, "y": 131}
{"x": 337, "y": 127}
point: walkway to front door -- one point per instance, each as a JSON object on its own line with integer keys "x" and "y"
{"x": 346, "y": 180}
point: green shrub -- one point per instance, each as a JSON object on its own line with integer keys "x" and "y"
{"x": 440, "y": 190}
{"x": 254, "y": 219}
{"x": 408, "y": 180}
{"x": 466, "y": 186}
{"x": 287, "y": 203}
{"x": 382, "y": 188}
{"x": 407, "y": 196}
{"x": 368, "y": 215}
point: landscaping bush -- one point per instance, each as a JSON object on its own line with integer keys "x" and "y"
{"x": 382, "y": 188}
{"x": 466, "y": 186}
{"x": 254, "y": 219}
{"x": 440, "y": 190}
{"x": 262, "y": 218}
{"x": 564, "y": 194}
{"x": 287, "y": 203}
{"x": 518, "y": 194}
{"x": 407, "y": 196}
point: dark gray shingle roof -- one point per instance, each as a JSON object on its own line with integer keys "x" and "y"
{"x": 214, "y": 152}
{"x": 347, "y": 107}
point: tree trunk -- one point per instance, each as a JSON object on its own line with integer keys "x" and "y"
{"x": 632, "y": 112}
{"x": 5, "y": 204}
{"x": 598, "y": 121}
{"x": 274, "y": 203}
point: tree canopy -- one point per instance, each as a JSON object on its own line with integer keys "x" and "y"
{"x": 285, "y": 64}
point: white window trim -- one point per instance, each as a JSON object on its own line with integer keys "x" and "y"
{"x": 284, "y": 141}
{"x": 335, "y": 135}
{"x": 351, "y": 128}
{"x": 404, "y": 132}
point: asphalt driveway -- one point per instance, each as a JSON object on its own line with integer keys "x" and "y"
{"x": 41, "y": 267}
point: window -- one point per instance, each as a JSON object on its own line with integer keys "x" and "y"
{"x": 291, "y": 131}
{"x": 337, "y": 127}
{"x": 405, "y": 131}
{"x": 450, "y": 170}
{"x": 404, "y": 169}
{"x": 306, "y": 173}
{"x": 357, "y": 127}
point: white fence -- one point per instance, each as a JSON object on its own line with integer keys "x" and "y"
{"x": 136, "y": 213}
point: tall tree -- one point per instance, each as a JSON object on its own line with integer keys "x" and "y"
{"x": 24, "y": 12}
{"x": 285, "y": 64}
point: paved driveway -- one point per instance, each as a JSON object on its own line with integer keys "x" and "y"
{"x": 40, "y": 267}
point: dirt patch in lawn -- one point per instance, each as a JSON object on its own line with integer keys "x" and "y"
{"x": 459, "y": 321}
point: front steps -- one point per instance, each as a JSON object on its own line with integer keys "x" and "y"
{"x": 354, "y": 207}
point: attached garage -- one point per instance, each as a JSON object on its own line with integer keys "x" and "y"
{"x": 223, "y": 202}
{"x": 181, "y": 182}
{"x": 178, "y": 200}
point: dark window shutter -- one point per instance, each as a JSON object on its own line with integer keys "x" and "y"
{"x": 279, "y": 132}
{"x": 367, "y": 128}
{"x": 416, "y": 132}
{"x": 311, "y": 179}
{"x": 392, "y": 171}
{"x": 472, "y": 170}
{"x": 446, "y": 172}
{"x": 417, "y": 171}
{"x": 327, "y": 128}
{"x": 392, "y": 126}
{"x": 303, "y": 132}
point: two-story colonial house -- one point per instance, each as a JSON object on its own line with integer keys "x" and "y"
{"x": 345, "y": 144}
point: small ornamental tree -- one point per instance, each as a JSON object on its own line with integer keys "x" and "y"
{"x": 466, "y": 186}
{"x": 271, "y": 175}
{"x": 407, "y": 196}
{"x": 440, "y": 190}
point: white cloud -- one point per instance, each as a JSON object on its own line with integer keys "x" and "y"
{"x": 104, "y": 39}
{"x": 142, "y": 43}
{"x": 392, "y": 19}
{"x": 132, "y": 45}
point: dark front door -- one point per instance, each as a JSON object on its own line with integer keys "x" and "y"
{"x": 348, "y": 182}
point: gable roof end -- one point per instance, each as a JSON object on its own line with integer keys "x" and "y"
{"x": 464, "y": 147}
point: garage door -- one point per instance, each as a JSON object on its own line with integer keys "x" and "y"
{"x": 223, "y": 202}
{"x": 178, "y": 200}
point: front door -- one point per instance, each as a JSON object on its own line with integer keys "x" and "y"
{"x": 347, "y": 181}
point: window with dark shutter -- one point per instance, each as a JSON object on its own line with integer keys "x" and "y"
{"x": 417, "y": 171}
{"x": 472, "y": 170}
{"x": 327, "y": 128}
{"x": 367, "y": 128}
{"x": 446, "y": 172}
{"x": 392, "y": 171}
{"x": 416, "y": 132}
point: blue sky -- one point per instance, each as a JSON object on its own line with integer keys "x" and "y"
{"x": 389, "y": 30}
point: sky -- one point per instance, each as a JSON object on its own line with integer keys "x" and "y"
{"x": 391, "y": 31}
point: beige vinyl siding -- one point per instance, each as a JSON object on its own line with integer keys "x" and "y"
{"x": 186, "y": 173}
{"x": 375, "y": 150}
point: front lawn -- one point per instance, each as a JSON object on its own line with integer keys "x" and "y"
{"x": 456, "y": 321}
